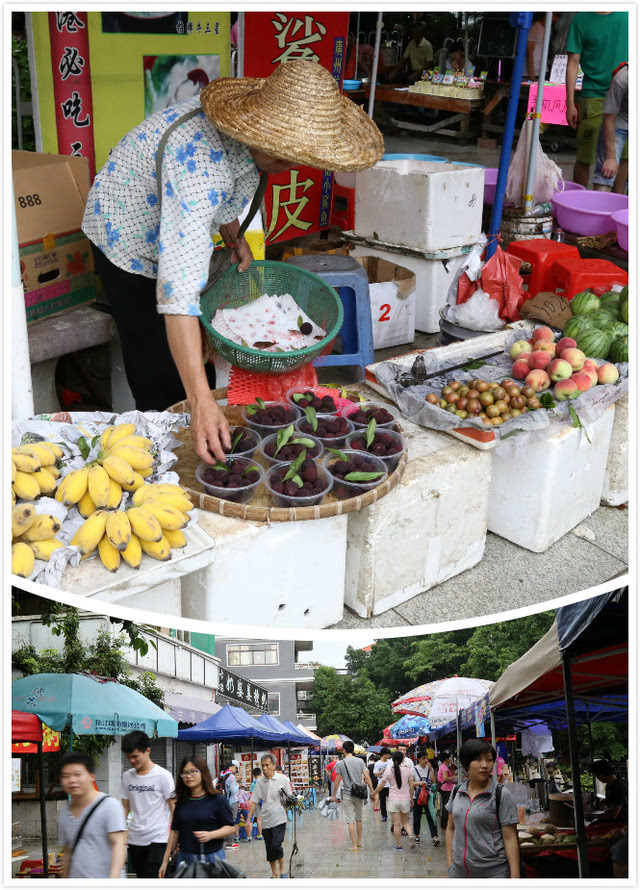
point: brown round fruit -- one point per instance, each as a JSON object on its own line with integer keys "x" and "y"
{"x": 486, "y": 420}
{"x": 463, "y": 391}
{"x": 443, "y": 403}
{"x": 493, "y": 385}
{"x": 493, "y": 411}
{"x": 499, "y": 393}
{"x": 475, "y": 382}
{"x": 516, "y": 412}
{"x": 528, "y": 392}
{"x": 506, "y": 381}
{"x": 518, "y": 402}
{"x": 461, "y": 404}
{"x": 461, "y": 414}
{"x": 513, "y": 390}
{"x": 445, "y": 391}
{"x": 496, "y": 421}
{"x": 473, "y": 406}
{"x": 432, "y": 398}
{"x": 501, "y": 406}
{"x": 534, "y": 403}
{"x": 486, "y": 398}
{"x": 473, "y": 394}
{"x": 455, "y": 384}
{"x": 481, "y": 385}
{"x": 451, "y": 397}
{"x": 451, "y": 409}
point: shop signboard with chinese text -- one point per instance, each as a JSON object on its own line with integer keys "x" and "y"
{"x": 298, "y": 202}
{"x": 243, "y": 691}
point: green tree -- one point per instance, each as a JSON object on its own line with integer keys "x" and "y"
{"x": 384, "y": 663}
{"x": 104, "y": 656}
{"x": 350, "y": 705}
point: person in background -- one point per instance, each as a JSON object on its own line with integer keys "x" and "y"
{"x": 244, "y": 796}
{"x": 267, "y": 794}
{"x": 101, "y": 850}
{"x": 372, "y": 762}
{"x": 378, "y": 770}
{"x": 597, "y": 42}
{"x": 232, "y": 793}
{"x": 201, "y": 819}
{"x": 446, "y": 778}
{"x": 330, "y": 770}
{"x": 351, "y": 771}
{"x": 611, "y": 168}
{"x": 616, "y": 793}
{"x": 423, "y": 777}
{"x": 482, "y": 835}
{"x": 256, "y": 772}
{"x": 366, "y": 55}
{"x": 400, "y": 781}
{"x": 417, "y": 56}
{"x": 147, "y": 792}
{"x": 440, "y": 58}
{"x": 407, "y": 761}
{"x": 535, "y": 42}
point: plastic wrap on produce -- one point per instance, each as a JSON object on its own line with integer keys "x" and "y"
{"x": 434, "y": 371}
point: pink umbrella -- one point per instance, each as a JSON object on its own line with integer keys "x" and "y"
{"x": 441, "y": 700}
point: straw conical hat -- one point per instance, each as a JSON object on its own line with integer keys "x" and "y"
{"x": 297, "y": 114}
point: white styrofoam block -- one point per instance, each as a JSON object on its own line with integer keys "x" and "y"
{"x": 413, "y": 538}
{"x": 540, "y": 493}
{"x": 422, "y": 204}
{"x": 283, "y": 574}
{"x": 432, "y": 283}
{"x": 615, "y": 490}
{"x": 393, "y": 314}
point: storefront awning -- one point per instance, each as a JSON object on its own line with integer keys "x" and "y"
{"x": 187, "y": 709}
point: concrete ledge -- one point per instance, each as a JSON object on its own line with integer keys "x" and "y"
{"x": 615, "y": 490}
{"x": 69, "y": 332}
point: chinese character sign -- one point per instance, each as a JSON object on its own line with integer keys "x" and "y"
{"x": 554, "y": 103}
{"x": 298, "y": 202}
{"x": 72, "y": 94}
{"x": 243, "y": 691}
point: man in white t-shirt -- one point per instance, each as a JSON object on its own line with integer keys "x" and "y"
{"x": 379, "y": 768}
{"x": 407, "y": 760}
{"x": 147, "y": 792}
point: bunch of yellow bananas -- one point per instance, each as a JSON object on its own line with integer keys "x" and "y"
{"x": 123, "y": 463}
{"x": 34, "y": 471}
{"x": 33, "y": 537}
{"x": 152, "y": 525}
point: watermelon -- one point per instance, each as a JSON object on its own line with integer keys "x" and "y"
{"x": 624, "y": 308}
{"x": 610, "y": 302}
{"x": 619, "y": 351}
{"x": 594, "y": 344}
{"x": 601, "y": 319}
{"x": 624, "y": 293}
{"x": 618, "y": 329}
{"x": 584, "y": 303}
{"x": 575, "y": 325}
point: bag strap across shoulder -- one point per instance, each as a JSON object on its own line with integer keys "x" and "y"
{"x": 84, "y": 822}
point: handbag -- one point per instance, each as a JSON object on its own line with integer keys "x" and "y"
{"x": 358, "y": 790}
{"x": 423, "y": 796}
{"x": 202, "y": 868}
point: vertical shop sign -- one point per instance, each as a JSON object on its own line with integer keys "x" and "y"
{"x": 298, "y": 202}
{"x": 71, "y": 71}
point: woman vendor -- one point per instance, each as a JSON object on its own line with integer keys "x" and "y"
{"x": 150, "y": 215}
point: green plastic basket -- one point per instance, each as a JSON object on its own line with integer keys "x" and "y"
{"x": 320, "y": 302}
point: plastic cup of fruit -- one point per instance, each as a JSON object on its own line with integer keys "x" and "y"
{"x": 343, "y": 489}
{"x": 349, "y": 411}
{"x": 241, "y": 495}
{"x": 255, "y": 437}
{"x": 266, "y": 429}
{"x": 332, "y": 441}
{"x": 284, "y": 500}
{"x": 314, "y": 453}
{"x": 316, "y": 390}
{"x": 390, "y": 461}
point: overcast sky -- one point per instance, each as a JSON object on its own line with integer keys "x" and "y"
{"x": 331, "y": 652}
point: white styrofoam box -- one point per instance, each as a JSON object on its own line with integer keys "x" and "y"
{"x": 283, "y": 574}
{"x": 432, "y": 283}
{"x": 346, "y": 180}
{"x": 422, "y": 204}
{"x": 413, "y": 538}
{"x": 545, "y": 489}
{"x": 615, "y": 490}
{"x": 393, "y": 314}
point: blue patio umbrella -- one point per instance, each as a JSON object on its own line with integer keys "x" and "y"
{"x": 89, "y": 705}
{"x": 409, "y": 727}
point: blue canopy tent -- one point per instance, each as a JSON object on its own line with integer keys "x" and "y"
{"x": 301, "y": 739}
{"x": 289, "y": 735}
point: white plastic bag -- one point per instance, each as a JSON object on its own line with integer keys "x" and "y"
{"x": 547, "y": 172}
{"x": 479, "y": 313}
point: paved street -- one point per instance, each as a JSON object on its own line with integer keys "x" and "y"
{"x": 324, "y": 847}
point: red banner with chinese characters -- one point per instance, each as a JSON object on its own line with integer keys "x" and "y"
{"x": 50, "y": 743}
{"x": 72, "y": 85}
{"x": 298, "y": 202}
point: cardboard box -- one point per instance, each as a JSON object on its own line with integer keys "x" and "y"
{"x": 56, "y": 263}
{"x": 392, "y": 293}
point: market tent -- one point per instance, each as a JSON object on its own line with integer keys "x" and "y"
{"x": 305, "y": 739}
{"x": 288, "y": 735}
{"x": 591, "y": 709}
{"x": 332, "y": 744}
{"x": 231, "y": 724}
{"x": 311, "y": 734}
{"x": 90, "y": 705}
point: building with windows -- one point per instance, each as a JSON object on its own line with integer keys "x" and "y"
{"x": 274, "y": 665}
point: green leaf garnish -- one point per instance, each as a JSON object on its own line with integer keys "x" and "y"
{"x": 251, "y": 410}
{"x": 371, "y": 431}
{"x": 310, "y": 414}
{"x": 297, "y": 396}
{"x": 283, "y": 436}
{"x": 249, "y": 469}
{"x": 300, "y": 321}
{"x": 577, "y": 422}
{"x": 84, "y": 447}
{"x": 297, "y": 480}
{"x": 220, "y": 466}
{"x": 340, "y": 454}
{"x": 260, "y": 402}
{"x": 362, "y": 477}
{"x": 295, "y": 466}
{"x": 235, "y": 442}
{"x": 308, "y": 443}
{"x": 95, "y": 441}
{"x": 547, "y": 400}
{"x": 473, "y": 366}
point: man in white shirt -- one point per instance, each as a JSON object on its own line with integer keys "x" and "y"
{"x": 378, "y": 769}
{"x": 147, "y": 792}
{"x": 407, "y": 760}
{"x": 268, "y": 794}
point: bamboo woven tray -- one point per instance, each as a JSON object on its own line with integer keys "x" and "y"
{"x": 260, "y": 509}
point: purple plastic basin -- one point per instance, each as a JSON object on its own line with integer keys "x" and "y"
{"x": 621, "y": 219}
{"x": 568, "y": 186}
{"x": 490, "y": 179}
{"x": 588, "y": 213}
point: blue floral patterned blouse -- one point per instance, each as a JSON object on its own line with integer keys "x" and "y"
{"x": 207, "y": 179}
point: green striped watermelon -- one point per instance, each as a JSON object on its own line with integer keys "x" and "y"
{"x": 594, "y": 344}
{"x": 575, "y": 325}
{"x": 624, "y": 293}
{"x": 611, "y": 302}
{"x": 584, "y": 302}
{"x": 617, "y": 329}
{"x": 601, "y": 319}
{"x": 624, "y": 308}
{"x": 619, "y": 351}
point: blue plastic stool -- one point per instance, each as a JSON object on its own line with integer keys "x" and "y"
{"x": 350, "y": 279}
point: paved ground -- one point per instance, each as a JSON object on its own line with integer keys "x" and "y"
{"x": 325, "y": 852}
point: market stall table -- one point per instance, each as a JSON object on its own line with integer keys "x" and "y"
{"x": 461, "y": 109}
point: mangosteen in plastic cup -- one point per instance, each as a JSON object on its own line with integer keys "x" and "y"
{"x": 352, "y": 472}
{"x": 316, "y": 484}
{"x": 330, "y": 429}
{"x": 236, "y": 481}
{"x": 386, "y": 444}
{"x": 310, "y": 397}
{"x": 287, "y": 444}
{"x": 244, "y": 441}
{"x": 267, "y": 417}
{"x": 360, "y": 415}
